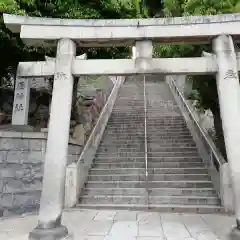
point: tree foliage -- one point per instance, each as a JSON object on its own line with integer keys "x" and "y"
{"x": 13, "y": 50}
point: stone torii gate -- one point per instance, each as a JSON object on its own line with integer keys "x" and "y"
{"x": 69, "y": 34}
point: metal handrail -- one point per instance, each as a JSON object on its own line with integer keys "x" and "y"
{"x": 213, "y": 151}
{"x": 145, "y": 138}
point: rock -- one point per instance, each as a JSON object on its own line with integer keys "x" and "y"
{"x": 79, "y": 134}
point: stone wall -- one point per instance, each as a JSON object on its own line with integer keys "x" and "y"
{"x": 21, "y": 170}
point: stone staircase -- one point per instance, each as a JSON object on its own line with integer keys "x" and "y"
{"x": 177, "y": 178}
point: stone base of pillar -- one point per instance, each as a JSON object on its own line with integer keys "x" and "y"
{"x": 235, "y": 234}
{"x": 58, "y": 233}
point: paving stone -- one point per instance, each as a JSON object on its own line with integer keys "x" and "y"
{"x": 96, "y": 228}
{"x": 124, "y": 229}
{"x": 207, "y": 235}
{"x": 175, "y": 230}
{"x": 150, "y": 230}
{"x": 105, "y": 215}
{"x": 80, "y": 223}
{"x": 125, "y": 216}
{"x": 148, "y": 217}
{"x": 195, "y": 225}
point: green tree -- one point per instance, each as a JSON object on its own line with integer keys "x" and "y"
{"x": 12, "y": 48}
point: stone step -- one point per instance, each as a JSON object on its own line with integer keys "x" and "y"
{"x": 151, "y": 177}
{"x": 130, "y": 109}
{"x": 151, "y": 191}
{"x": 150, "y": 141}
{"x": 167, "y": 159}
{"x": 141, "y": 171}
{"x": 150, "y": 132}
{"x": 128, "y": 96}
{"x": 156, "y": 133}
{"x": 163, "y": 116}
{"x": 171, "y": 118}
{"x": 126, "y": 120}
{"x": 124, "y": 99}
{"x": 106, "y": 142}
{"x": 108, "y": 165}
{"x": 119, "y": 154}
{"x": 122, "y": 199}
{"x": 150, "y": 154}
{"x": 122, "y": 116}
{"x": 139, "y": 117}
{"x": 110, "y": 159}
{"x": 150, "y": 137}
{"x": 132, "y": 106}
{"x": 160, "y": 208}
{"x": 136, "y": 132}
{"x": 151, "y": 145}
{"x": 177, "y": 177}
{"x": 163, "y": 140}
{"x": 139, "y": 100}
{"x": 163, "y": 129}
{"x": 151, "y": 184}
{"x": 152, "y": 125}
{"x": 130, "y": 122}
{"x": 174, "y": 153}
{"x": 161, "y": 106}
{"x": 156, "y": 120}
{"x": 150, "y": 149}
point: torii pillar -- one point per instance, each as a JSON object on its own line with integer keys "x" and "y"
{"x": 52, "y": 198}
{"x": 229, "y": 100}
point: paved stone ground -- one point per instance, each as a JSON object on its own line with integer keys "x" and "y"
{"x": 127, "y": 225}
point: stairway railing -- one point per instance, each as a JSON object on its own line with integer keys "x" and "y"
{"x": 145, "y": 139}
{"x": 210, "y": 154}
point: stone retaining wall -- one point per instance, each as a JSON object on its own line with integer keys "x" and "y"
{"x": 21, "y": 170}
{"x": 22, "y": 153}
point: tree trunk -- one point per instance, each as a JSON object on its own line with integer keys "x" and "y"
{"x": 220, "y": 143}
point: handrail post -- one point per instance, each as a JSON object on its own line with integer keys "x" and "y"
{"x": 143, "y": 52}
{"x": 145, "y": 138}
